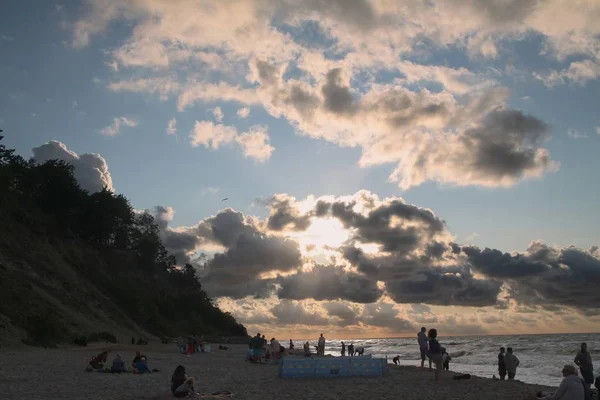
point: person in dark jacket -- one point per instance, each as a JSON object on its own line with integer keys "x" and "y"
{"x": 501, "y": 364}
{"x": 118, "y": 366}
{"x": 435, "y": 352}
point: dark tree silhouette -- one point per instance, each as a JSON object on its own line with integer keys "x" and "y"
{"x": 145, "y": 282}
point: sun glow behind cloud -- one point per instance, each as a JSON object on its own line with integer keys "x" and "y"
{"x": 323, "y": 234}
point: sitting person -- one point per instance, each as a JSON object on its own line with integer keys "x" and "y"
{"x": 97, "y": 362}
{"x": 572, "y": 387}
{"x": 396, "y": 360}
{"x": 137, "y": 358}
{"x": 118, "y": 366}
{"x": 141, "y": 366}
{"x": 181, "y": 384}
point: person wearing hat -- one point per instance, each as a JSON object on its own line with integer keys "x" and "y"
{"x": 572, "y": 387}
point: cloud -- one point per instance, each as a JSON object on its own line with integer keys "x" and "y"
{"x": 329, "y": 283}
{"x": 598, "y": 130}
{"x": 208, "y": 134}
{"x": 91, "y": 170}
{"x": 290, "y": 313}
{"x": 172, "y": 127}
{"x": 544, "y": 275}
{"x": 285, "y": 215}
{"x": 218, "y": 114}
{"x": 243, "y": 112}
{"x": 7, "y": 38}
{"x": 114, "y": 128}
{"x": 331, "y": 90}
{"x": 255, "y": 143}
{"x": 575, "y": 134}
{"x": 578, "y": 72}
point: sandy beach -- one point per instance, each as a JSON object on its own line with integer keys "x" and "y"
{"x": 31, "y": 374}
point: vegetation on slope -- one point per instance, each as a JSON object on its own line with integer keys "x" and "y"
{"x": 73, "y": 261}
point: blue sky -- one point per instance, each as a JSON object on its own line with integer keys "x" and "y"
{"x": 59, "y": 61}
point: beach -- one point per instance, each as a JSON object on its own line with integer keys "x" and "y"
{"x": 47, "y": 374}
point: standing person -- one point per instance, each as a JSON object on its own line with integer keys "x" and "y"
{"x": 291, "y": 345}
{"x": 435, "y": 352}
{"x": 583, "y": 359}
{"x": 423, "y": 346}
{"x": 321, "y": 345}
{"x": 351, "y": 349}
{"x": 343, "y": 349}
{"x": 511, "y": 362}
{"x": 501, "y": 364}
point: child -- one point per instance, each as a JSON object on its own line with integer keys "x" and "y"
{"x": 446, "y": 359}
{"x": 181, "y": 385}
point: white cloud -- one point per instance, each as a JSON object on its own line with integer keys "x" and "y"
{"x": 172, "y": 127}
{"x": 114, "y": 128}
{"x": 112, "y": 64}
{"x": 598, "y": 130}
{"x": 91, "y": 170}
{"x": 218, "y": 114}
{"x": 74, "y": 104}
{"x": 579, "y": 73}
{"x": 243, "y": 112}
{"x": 206, "y": 92}
{"x": 7, "y": 38}
{"x": 575, "y": 134}
{"x": 255, "y": 143}
{"x": 208, "y": 134}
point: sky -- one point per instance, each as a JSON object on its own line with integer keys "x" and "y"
{"x": 387, "y": 164}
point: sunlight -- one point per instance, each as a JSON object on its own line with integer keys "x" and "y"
{"x": 322, "y": 233}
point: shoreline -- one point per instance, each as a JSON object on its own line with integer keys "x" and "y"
{"x": 34, "y": 373}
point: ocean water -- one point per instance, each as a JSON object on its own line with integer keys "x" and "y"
{"x": 542, "y": 356}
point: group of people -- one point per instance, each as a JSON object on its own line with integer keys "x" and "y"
{"x": 359, "y": 351}
{"x": 139, "y": 365}
{"x": 260, "y": 349}
{"x": 194, "y": 344}
{"x": 431, "y": 348}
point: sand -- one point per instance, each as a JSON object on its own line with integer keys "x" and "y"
{"x": 30, "y": 373}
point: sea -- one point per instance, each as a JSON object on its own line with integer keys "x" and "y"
{"x": 542, "y": 356}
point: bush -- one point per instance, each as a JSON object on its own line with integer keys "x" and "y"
{"x": 80, "y": 341}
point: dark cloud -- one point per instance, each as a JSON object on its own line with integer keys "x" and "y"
{"x": 544, "y": 275}
{"x": 384, "y": 315}
{"x": 304, "y": 102}
{"x": 396, "y": 225}
{"x": 329, "y": 283}
{"x": 290, "y": 313}
{"x": 444, "y": 286}
{"x": 506, "y": 144}
{"x": 347, "y": 315}
{"x": 496, "y": 264}
{"x": 337, "y": 98}
{"x": 284, "y": 215}
{"x": 91, "y": 170}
